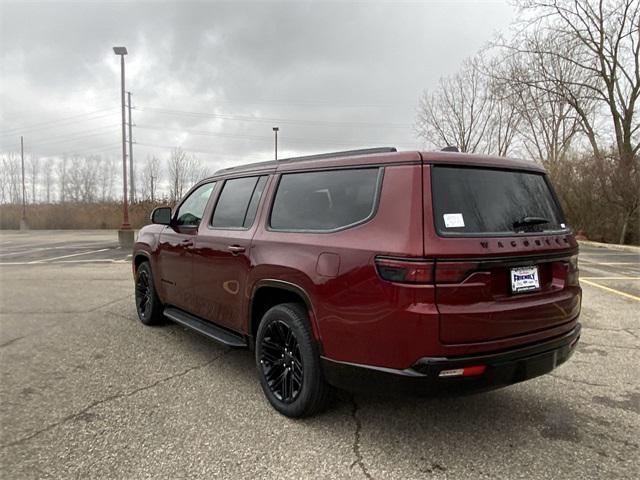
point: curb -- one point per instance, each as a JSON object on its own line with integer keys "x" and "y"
{"x": 611, "y": 246}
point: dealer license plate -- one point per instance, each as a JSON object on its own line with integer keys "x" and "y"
{"x": 524, "y": 279}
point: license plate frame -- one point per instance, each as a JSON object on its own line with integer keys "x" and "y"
{"x": 525, "y": 279}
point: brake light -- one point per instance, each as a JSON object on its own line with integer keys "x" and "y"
{"x": 405, "y": 270}
{"x": 573, "y": 272}
{"x": 463, "y": 372}
{"x": 454, "y": 272}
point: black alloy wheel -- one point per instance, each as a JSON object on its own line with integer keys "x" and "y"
{"x": 148, "y": 304}
{"x": 288, "y": 362}
{"x": 281, "y": 362}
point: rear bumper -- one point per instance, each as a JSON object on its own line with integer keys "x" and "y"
{"x": 501, "y": 369}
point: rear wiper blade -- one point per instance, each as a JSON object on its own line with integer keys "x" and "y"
{"x": 527, "y": 221}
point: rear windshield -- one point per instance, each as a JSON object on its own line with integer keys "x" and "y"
{"x": 480, "y": 201}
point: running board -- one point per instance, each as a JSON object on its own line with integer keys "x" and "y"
{"x": 207, "y": 329}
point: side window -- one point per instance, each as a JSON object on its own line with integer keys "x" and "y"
{"x": 238, "y": 202}
{"x": 323, "y": 201}
{"x": 190, "y": 211}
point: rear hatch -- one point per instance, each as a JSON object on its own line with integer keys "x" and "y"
{"x": 505, "y": 262}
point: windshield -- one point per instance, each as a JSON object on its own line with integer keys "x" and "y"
{"x": 482, "y": 201}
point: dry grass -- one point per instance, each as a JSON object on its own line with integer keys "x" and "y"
{"x": 75, "y": 215}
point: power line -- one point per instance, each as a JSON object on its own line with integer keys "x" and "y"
{"x": 286, "y": 121}
{"x": 298, "y": 140}
{"x": 56, "y": 123}
{"x": 74, "y": 136}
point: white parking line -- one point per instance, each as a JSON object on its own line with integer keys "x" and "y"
{"x": 43, "y": 249}
{"x": 44, "y": 260}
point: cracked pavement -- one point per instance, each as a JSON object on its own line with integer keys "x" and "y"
{"x": 88, "y": 392}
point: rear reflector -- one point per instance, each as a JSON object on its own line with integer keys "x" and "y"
{"x": 405, "y": 271}
{"x": 463, "y": 372}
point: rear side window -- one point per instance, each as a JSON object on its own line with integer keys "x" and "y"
{"x": 326, "y": 200}
{"x": 480, "y": 201}
{"x": 238, "y": 202}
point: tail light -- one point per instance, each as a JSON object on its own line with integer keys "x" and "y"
{"x": 409, "y": 270}
{"x": 454, "y": 272}
{"x": 573, "y": 271}
{"x": 405, "y": 270}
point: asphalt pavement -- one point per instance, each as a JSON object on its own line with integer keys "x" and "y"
{"x": 86, "y": 391}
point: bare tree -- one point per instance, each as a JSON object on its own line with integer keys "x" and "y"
{"x": 62, "y": 174}
{"x": 105, "y": 180}
{"x": 150, "y": 178}
{"x": 33, "y": 171}
{"x": 10, "y": 177}
{"x": 48, "y": 178}
{"x": 457, "y": 113}
{"x": 601, "y": 41}
{"x": 546, "y": 125}
{"x": 183, "y": 170}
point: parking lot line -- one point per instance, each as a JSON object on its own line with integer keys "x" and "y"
{"x": 68, "y": 256}
{"x": 609, "y": 278}
{"x": 608, "y": 263}
{"x": 612, "y": 290}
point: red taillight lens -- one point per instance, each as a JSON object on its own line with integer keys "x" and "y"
{"x": 454, "y": 272}
{"x": 572, "y": 272}
{"x": 405, "y": 270}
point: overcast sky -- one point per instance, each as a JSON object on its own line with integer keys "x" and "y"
{"x": 215, "y": 77}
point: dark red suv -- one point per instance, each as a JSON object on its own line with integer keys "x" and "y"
{"x": 412, "y": 271}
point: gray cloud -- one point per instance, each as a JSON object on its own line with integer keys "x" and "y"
{"x": 329, "y": 71}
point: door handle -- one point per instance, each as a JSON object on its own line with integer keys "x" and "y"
{"x": 236, "y": 249}
{"x": 187, "y": 243}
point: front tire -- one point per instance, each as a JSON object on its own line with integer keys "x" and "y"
{"x": 288, "y": 362}
{"x": 148, "y": 304}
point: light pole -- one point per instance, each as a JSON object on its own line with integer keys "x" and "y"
{"x": 23, "y": 219}
{"x": 125, "y": 234}
{"x": 275, "y": 131}
{"x": 132, "y": 187}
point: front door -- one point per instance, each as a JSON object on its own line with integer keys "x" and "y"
{"x": 175, "y": 248}
{"x": 222, "y": 257}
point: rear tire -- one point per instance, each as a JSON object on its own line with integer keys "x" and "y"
{"x": 288, "y": 362}
{"x": 148, "y": 304}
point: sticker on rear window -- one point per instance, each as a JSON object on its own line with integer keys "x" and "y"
{"x": 453, "y": 220}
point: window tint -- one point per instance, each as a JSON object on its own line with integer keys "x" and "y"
{"x": 485, "y": 201}
{"x": 252, "y": 209}
{"x": 238, "y": 202}
{"x": 324, "y": 200}
{"x": 190, "y": 211}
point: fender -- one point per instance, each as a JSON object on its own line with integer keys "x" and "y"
{"x": 292, "y": 287}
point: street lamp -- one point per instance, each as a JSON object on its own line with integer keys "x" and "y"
{"x": 275, "y": 131}
{"x": 125, "y": 234}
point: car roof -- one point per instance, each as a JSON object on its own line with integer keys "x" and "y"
{"x": 377, "y": 156}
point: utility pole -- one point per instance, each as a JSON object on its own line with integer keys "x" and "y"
{"x": 275, "y": 131}
{"x": 125, "y": 234}
{"x": 23, "y": 219}
{"x": 132, "y": 185}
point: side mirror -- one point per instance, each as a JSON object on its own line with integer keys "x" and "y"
{"x": 161, "y": 215}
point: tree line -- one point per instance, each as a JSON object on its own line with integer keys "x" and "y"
{"x": 561, "y": 89}
{"x": 95, "y": 178}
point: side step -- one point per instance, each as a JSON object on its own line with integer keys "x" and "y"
{"x": 207, "y": 329}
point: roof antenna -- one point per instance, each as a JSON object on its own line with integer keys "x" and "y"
{"x": 450, "y": 148}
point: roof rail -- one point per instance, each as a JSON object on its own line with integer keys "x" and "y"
{"x": 345, "y": 153}
{"x": 450, "y": 148}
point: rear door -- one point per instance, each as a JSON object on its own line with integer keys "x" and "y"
{"x": 505, "y": 262}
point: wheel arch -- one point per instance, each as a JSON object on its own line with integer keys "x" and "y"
{"x": 138, "y": 257}
{"x": 267, "y": 293}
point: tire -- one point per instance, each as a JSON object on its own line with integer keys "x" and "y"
{"x": 288, "y": 362}
{"x": 148, "y": 304}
